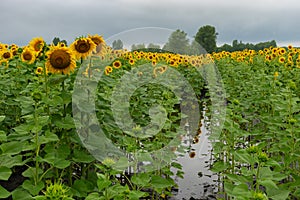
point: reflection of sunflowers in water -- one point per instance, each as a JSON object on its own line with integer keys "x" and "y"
{"x": 37, "y": 44}
{"x": 60, "y": 60}
{"x": 28, "y": 55}
{"x": 83, "y": 47}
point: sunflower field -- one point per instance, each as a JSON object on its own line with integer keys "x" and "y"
{"x": 48, "y": 135}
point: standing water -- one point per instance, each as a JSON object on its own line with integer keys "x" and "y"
{"x": 198, "y": 181}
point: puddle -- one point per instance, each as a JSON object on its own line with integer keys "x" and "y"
{"x": 198, "y": 182}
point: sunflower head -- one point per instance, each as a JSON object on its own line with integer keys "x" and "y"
{"x": 83, "y": 47}
{"x": 39, "y": 70}
{"x": 98, "y": 41}
{"x": 108, "y": 70}
{"x": 28, "y": 55}
{"x": 6, "y": 55}
{"x": 37, "y": 44}
{"x": 60, "y": 60}
{"x": 117, "y": 64}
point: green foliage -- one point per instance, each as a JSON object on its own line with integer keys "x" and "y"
{"x": 256, "y": 153}
{"x": 207, "y": 38}
{"x": 117, "y": 44}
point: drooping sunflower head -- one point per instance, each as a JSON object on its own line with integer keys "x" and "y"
{"x": 83, "y": 47}
{"x": 60, "y": 60}
{"x": 37, "y": 44}
{"x": 98, "y": 41}
{"x": 28, "y": 55}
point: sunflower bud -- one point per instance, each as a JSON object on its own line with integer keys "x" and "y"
{"x": 262, "y": 157}
{"x": 292, "y": 85}
{"x": 37, "y": 96}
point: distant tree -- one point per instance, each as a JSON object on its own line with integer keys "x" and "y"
{"x": 207, "y": 37}
{"x": 196, "y": 49}
{"x": 153, "y": 46}
{"x": 117, "y": 44}
{"x": 56, "y": 40}
{"x": 177, "y": 42}
{"x": 137, "y": 47}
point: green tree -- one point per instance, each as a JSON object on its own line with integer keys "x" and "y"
{"x": 117, "y": 44}
{"x": 207, "y": 37}
{"x": 153, "y": 46}
{"x": 137, "y": 47}
{"x": 177, "y": 42}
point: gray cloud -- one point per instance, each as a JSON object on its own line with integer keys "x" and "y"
{"x": 249, "y": 21}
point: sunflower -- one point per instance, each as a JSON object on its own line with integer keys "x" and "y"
{"x": 3, "y": 46}
{"x": 131, "y": 61}
{"x": 6, "y": 55}
{"x": 37, "y": 44}
{"x": 108, "y": 70}
{"x": 290, "y": 47}
{"x": 28, "y": 55}
{"x": 83, "y": 47}
{"x": 60, "y": 60}
{"x": 117, "y": 64}
{"x": 98, "y": 41}
{"x": 281, "y": 59}
{"x": 39, "y": 70}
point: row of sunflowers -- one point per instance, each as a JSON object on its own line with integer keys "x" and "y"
{"x": 42, "y": 156}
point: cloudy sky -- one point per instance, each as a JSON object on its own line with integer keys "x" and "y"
{"x": 247, "y": 20}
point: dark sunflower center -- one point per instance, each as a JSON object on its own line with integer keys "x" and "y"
{"x": 117, "y": 64}
{"x": 38, "y": 46}
{"x": 6, "y": 55}
{"x": 60, "y": 59}
{"x": 27, "y": 56}
{"x": 82, "y": 46}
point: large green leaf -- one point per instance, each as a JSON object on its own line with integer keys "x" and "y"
{"x": 5, "y": 173}
{"x": 4, "y": 193}
{"x": 32, "y": 188}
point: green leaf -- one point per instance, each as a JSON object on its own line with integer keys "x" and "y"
{"x": 242, "y": 190}
{"x": 65, "y": 123}
{"x": 93, "y": 196}
{"x": 269, "y": 184}
{"x": 21, "y": 194}
{"x": 103, "y": 183}
{"x": 3, "y": 137}
{"x": 57, "y": 79}
{"x": 82, "y": 156}
{"x": 2, "y": 117}
{"x": 160, "y": 182}
{"x": 48, "y": 137}
{"x": 81, "y": 187}
{"x": 31, "y": 188}
{"x": 5, "y": 173}
{"x": 11, "y": 148}
{"x": 219, "y": 166}
{"x": 141, "y": 179}
{"x": 4, "y": 193}
{"x": 278, "y": 194}
{"x": 136, "y": 194}
{"x": 9, "y": 161}
{"x": 30, "y": 172}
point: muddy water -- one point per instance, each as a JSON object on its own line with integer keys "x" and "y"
{"x": 198, "y": 182}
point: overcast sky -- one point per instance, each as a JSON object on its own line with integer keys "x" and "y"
{"x": 250, "y": 21}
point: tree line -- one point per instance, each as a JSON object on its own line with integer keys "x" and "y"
{"x": 204, "y": 41}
